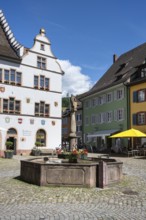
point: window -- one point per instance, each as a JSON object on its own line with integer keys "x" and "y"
{"x": 143, "y": 72}
{"x": 79, "y": 117}
{"x": 6, "y": 75}
{"x": 119, "y": 94}
{"x": 86, "y": 120}
{"x": 17, "y": 107}
{"x": 79, "y": 128}
{"x": 87, "y": 104}
{"x": 119, "y": 114}
{"x": 42, "y": 47}
{"x": 5, "y": 105}
{"x": 12, "y": 76}
{"x": 47, "y": 107}
{"x": 47, "y": 83}
{"x": 18, "y": 78}
{"x": 11, "y": 106}
{"x": 41, "y": 82}
{"x": 141, "y": 118}
{"x": 12, "y": 131}
{"x": 93, "y": 119}
{"x": 37, "y": 107}
{"x": 41, "y": 62}
{"x": 109, "y": 117}
{"x": 41, "y": 137}
{"x": 100, "y": 100}
{"x": 0, "y": 75}
{"x": 99, "y": 118}
{"x": 141, "y": 95}
{"x": 42, "y": 109}
{"x": 36, "y": 81}
{"x": 109, "y": 97}
{"x": 93, "y": 102}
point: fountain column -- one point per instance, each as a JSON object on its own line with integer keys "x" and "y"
{"x": 72, "y": 135}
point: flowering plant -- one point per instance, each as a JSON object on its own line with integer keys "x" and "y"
{"x": 83, "y": 152}
{"x": 59, "y": 151}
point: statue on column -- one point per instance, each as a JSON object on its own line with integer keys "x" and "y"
{"x": 72, "y": 135}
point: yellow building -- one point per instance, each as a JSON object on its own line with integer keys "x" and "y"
{"x": 138, "y": 107}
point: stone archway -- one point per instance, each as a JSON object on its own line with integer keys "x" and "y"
{"x": 12, "y": 136}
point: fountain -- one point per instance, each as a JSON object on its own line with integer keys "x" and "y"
{"x": 52, "y": 171}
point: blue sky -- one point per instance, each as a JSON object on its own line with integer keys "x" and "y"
{"x": 84, "y": 33}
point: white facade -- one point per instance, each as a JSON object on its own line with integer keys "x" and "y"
{"x": 28, "y": 121}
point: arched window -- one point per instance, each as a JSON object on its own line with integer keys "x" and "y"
{"x": 12, "y": 131}
{"x": 41, "y": 137}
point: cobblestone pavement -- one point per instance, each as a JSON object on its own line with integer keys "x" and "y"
{"x": 123, "y": 201}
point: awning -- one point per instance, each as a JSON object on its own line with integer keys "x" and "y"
{"x": 102, "y": 133}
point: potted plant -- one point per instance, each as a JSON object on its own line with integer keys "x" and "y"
{"x": 73, "y": 156}
{"x": 36, "y": 151}
{"x": 83, "y": 153}
{"x": 9, "y": 151}
{"x": 62, "y": 154}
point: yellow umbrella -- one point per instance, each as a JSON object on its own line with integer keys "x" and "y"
{"x": 129, "y": 133}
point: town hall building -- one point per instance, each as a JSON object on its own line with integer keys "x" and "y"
{"x": 30, "y": 93}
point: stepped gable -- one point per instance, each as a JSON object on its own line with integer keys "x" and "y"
{"x": 9, "y": 47}
{"x": 123, "y": 68}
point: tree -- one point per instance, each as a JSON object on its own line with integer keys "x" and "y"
{"x": 66, "y": 102}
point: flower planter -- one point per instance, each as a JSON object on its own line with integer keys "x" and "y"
{"x": 63, "y": 156}
{"x": 9, "y": 154}
{"x": 35, "y": 152}
{"x": 83, "y": 156}
{"x": 73, "y": 160}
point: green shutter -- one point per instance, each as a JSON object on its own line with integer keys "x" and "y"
{"x": 134, "y": 119}
{"x": 135, "y": 96}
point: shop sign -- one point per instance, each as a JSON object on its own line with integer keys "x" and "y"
{"x": 26, "y": 133}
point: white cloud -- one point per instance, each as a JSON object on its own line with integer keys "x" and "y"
{"x": 74, "y": 81}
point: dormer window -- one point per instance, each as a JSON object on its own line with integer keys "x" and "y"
{"x": 42, "y": 47}
{"x": 41, "y": 62}
{"x": 143, "y": 72}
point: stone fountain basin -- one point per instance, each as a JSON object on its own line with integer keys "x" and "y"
{"x": 57, "y": 172}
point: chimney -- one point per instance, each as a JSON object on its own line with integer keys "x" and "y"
{"x": 115, "y": 57}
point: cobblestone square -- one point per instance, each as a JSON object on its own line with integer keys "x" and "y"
{"x": 123, "y": 201}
